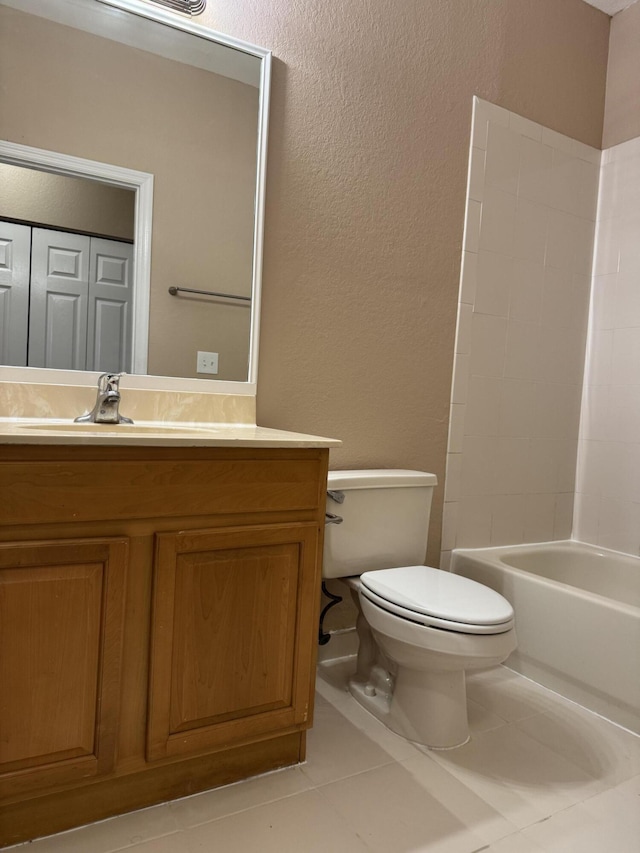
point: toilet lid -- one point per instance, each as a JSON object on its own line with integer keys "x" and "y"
{"x": 444, "y": 599}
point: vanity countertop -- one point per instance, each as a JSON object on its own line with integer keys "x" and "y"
{"x": 149, "y": 433}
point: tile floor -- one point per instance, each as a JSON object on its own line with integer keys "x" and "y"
{"x": 539, "y": 775}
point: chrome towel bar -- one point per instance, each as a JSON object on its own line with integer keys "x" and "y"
{"x": 174, "y": 291}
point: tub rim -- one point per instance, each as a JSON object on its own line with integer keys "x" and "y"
{"x": 563, "y": 544}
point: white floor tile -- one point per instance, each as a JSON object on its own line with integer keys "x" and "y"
{"x": 602, "y": 749}
{"x": 481, "y": 719}
{"x": 523, "y": 780}
{"x": 507, "y": 694}
{"x": 607, "y": 822}
{"x": 304, "y": 823}
{"x": 540, "y": 775}
{"x": 632, "y": 786}
{"x": 222, "y": 802}
{"x": 117, "y": 833}
{"x": 167, "y": 844}
{"x": 336, "y": 748}
{"x": 336, "y": 692}
{"x": 514, "y": 844}
{"x": 392, "y": 812}
{"x": 476, "y": 814}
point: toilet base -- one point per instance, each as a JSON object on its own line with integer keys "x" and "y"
{"x": 429, "y": 708}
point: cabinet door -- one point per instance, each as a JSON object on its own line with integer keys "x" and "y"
{"x": 233, "y": 636}
{"x": 61, "y": 618}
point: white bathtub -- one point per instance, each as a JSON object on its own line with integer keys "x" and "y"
{"x": 577, "y": 619}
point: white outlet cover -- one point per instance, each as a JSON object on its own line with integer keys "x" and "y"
{"x": 207, "y": 362}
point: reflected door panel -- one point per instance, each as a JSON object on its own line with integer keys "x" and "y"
{"x": 15, "y": 251}
{"x": 59, "y": 294}
{"x": 65, "y": 300}
{"x": 110, "y": 306}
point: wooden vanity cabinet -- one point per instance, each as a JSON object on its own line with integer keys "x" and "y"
{"x": 61, "y": 629}
{"x": 158, "y": 624}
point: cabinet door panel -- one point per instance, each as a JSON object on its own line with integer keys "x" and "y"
{"x": 234, "y": 625}
{"x": 61, "y": 608}
{"x": 228, "y": 605}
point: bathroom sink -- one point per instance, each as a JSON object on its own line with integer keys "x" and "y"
{"x": 120, "y": 429}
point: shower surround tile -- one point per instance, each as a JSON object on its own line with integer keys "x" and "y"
{"x": 524, "y": 295}
{"x": 608, "y": 495}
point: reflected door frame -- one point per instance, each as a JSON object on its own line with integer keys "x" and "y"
{"x": 142, "y": 185}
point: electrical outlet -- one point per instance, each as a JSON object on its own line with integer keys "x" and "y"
{"x": 207, "y": 362}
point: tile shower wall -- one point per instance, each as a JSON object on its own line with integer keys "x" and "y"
{"x": 522, "y": 321}
{"x": 607, "y": 511}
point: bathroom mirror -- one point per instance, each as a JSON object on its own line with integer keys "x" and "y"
{"x": 138, "y": 99}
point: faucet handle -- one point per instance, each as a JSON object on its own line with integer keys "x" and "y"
{"x": 109, "y": 382}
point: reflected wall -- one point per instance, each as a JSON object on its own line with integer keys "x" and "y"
{"x": 79, "y": 94}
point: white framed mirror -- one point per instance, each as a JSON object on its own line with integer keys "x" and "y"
{"x": 131, "y": 97}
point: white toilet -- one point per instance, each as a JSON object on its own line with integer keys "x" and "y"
{"x": 419, "y": 628}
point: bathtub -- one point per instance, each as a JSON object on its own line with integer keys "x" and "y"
{"x": 577, "y": 619}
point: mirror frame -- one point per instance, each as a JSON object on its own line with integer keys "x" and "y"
{"x": 142, "y": 184}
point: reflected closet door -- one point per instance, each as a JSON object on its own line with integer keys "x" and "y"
{"x": 15, "y": 270}
{"x": 110, "y": 306}
{"x": 59, "y": 300}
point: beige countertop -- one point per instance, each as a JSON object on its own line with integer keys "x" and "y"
{"x": 153, "y": 433}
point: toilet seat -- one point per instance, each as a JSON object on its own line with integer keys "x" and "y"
{"x": 433, "y": 597}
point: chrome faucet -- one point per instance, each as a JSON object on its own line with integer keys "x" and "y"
{"x": 105, "y": 410}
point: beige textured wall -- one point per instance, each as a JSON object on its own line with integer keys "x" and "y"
{"x": 370, "y": 125}
{"x": 63, "y": 202}
{"x": 368, "y": 151}
{"x": 622, "y": 111}
{"x": 72, "y": 92}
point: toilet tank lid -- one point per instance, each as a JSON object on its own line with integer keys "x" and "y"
{"x": 379, "y": 478}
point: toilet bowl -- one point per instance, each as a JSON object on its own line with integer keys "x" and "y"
{"x": 419, "y": 628}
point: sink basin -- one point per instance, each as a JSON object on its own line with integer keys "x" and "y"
{"x": 120, "y": 429}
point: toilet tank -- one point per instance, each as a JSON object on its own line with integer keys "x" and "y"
{"x": 385, "y": 524}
